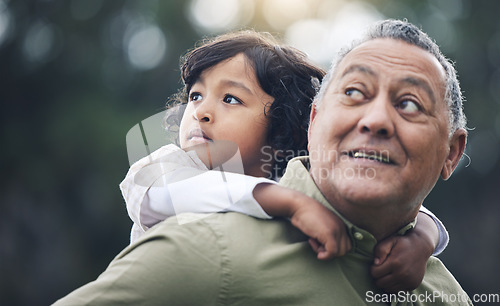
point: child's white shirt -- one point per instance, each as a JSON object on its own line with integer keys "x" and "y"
{"x": 171, "y": 181}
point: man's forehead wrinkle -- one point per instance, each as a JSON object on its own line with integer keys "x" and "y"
{"x": 373, "y": 54}
{"x": 358, "y": 68}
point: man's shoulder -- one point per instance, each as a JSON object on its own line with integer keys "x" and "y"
{"x": 205, "y": 229}
{"x": 440, "y": 286}
{"x": 229, "y": 239}
{"x": 222, "y": 224}
{"x": 436, "y": 271}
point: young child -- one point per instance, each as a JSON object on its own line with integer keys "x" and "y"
{"x": 247, "y": 99}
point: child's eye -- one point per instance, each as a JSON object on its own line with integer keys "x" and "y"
{"x": 408, "y": 107}
{"x": 195, "y": 96}
{"x": 355, "y": 94}
{"x": 231, "y": 100}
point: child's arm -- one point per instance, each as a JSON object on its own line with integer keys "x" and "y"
{"x": 169, "y": 182}
{"x": 327, "y": 232}
{"x": 217, "y": 191}
{"x": 400, "y": 261}
{"x": 444, "y": 238}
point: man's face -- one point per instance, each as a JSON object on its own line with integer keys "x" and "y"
{"x": 380, "y": 135}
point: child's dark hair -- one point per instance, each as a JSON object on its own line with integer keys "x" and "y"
{"x": 282, "y": 72}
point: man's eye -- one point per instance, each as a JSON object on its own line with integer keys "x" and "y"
{"x": 231, "y": 100}
{"x": 355, "y": 94}
{"x": 409, "y": 107}
{"x": 195, "y": 96}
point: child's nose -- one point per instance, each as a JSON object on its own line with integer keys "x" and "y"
{"x": 204, "y": 112}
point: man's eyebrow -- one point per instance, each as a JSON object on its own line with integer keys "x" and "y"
{"x": 359, "y": 68}
{"x": 422, "y": 84}
{"x": 409, "y": 80}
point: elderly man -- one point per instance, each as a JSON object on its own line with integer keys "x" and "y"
{"x": 386, "y": 124}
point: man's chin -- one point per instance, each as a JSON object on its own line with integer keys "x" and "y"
{"x": 363, "y": 192}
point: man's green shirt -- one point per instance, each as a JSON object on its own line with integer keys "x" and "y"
{"x": 234, "y": 259}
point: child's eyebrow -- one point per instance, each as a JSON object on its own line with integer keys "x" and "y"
{"x": 231, "y": 83}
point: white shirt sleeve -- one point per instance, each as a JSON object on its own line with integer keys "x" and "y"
{"x": 149, "y": 171}
{"x": 444, "y": 237}
{"x": 199, "y": 191}
{"x": 217, "y": 191}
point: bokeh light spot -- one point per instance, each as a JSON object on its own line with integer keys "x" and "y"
{"x": 322, "y": 38}
{"x": 309, "y": 35}
{"x": 4, "y": 21}
{"x": 146, "y": 47}
{"x": 441, "y": 29}
{"x": 281, "y": 13}
{"x": 216, "y": 16}
{"x": 452, "y": 9}
{"x": 39, "y": 42}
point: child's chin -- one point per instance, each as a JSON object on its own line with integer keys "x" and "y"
{"x": 214, "y": 153}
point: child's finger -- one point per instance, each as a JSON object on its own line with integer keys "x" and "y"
{"x": 330, "y": 251}
{"x": 381, "y": 270}
{"x": 314, "y": 244}
{"x": 325, "y": 255}
{"x": 335, "y": 247}
{"x": 325, "y": 249}
{"x": 389, "y": 284}
{"x": 383, "y": 249}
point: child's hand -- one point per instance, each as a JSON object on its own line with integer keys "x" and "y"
{"x": 327, "y": 232}
{"x": 400, "y": 262}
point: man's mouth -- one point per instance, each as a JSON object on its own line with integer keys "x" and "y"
{"x": 371, "y": 155}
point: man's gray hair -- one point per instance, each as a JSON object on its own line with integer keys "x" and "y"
{"x": 409, "y": 33}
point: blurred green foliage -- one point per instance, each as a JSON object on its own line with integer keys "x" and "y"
{"x": 69, "y": 95}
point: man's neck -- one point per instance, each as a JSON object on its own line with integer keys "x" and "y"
{"x": 380, "y": 225}
{"x": 380, "y": 221}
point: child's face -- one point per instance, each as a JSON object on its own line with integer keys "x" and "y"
{"x": 227, "y": 103}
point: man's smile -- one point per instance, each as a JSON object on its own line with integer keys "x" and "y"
{"x": 380, "y": 156}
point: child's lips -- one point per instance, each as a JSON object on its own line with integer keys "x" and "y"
{"x": 198, "y": 135}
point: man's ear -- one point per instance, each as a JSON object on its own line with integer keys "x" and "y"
{"x": 457, "y": 147}
{"x": 312, "y": 116}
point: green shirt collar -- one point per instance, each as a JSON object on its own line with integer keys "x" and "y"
{"x": 297, "y": 177}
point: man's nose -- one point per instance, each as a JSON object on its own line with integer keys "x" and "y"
{"x": 377, "y": 118}
{"x": 204, "y": 111}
